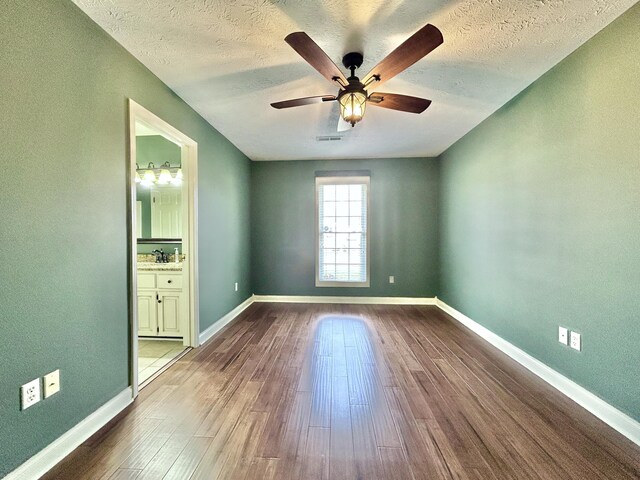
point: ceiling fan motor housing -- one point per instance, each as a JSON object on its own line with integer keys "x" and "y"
{"x": 352, "y": 60}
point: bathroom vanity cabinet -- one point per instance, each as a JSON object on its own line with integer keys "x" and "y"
{"x": 160, "y": 304}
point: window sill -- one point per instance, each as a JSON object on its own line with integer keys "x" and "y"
{"x": 342, "y": 284}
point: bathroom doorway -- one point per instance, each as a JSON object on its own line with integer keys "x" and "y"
{"x": 163, "y": 250}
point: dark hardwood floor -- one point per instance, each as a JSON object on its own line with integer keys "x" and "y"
{"x": 295, "y": 391}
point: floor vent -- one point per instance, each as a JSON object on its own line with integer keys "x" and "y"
{"x": 328, "y": 138}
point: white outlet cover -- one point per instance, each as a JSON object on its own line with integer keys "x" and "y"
{"x": 576, "y": 343}
{"x": 30, "y": 393}
{"x": 51, "y": 383}
{"x": 392, "y": 279}
{"x": 563, "y": 335}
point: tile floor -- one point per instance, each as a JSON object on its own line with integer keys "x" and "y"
{"x": 155, "y": 354}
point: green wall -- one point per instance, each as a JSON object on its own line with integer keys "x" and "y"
{"x": 65, "y": 85}
{"x": 540, "y": 217}
{"x": 403, "y": 227}
{"x": 157, "y": 150}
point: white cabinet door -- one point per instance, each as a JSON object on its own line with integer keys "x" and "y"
{"x": 169, "y": 314}
{"x": 147, "y": 314}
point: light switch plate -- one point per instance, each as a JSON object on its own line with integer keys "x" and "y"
{"x": 563, "y": 335}
{"x": 30, "y": 393}
{"x": 235, "y": 285}
{"x": 51, "y": 383}
{"x": 576, "y": 343}
{"x": 392, "y": 279}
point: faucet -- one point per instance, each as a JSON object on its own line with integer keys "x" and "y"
{"x": 161, "y": 257}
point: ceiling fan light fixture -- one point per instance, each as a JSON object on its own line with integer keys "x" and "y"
{"x": 352, "y": 106}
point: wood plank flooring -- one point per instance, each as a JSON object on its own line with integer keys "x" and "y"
{"x": 295, "y": 391}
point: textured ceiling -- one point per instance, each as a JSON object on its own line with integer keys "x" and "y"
{"x": 228, "y": 60}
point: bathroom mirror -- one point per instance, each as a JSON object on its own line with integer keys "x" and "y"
{"x": 158, "y": 187}
{"x": 159, "y": 212}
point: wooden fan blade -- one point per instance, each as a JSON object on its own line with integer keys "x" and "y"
{"x": 315, "y": 56}
{"x": 298, "y": 102}
{"x": 413, "y": 49}
{"x": 404, "y": 103}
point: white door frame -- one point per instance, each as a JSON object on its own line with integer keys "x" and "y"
{"x": 189, "y": 156}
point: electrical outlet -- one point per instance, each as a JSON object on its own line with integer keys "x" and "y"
{"x": 51, "y": 383}
{"x": 30, "y": 393}
{"x": 563, "y": 335}
{"x": 236, "y": 286}
{"x": 576, "y": 343}
{"x": 392, "y": 279}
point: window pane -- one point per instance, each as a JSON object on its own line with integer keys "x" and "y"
{"x": 342, "y": 256}
{"x": 342, "y": 240}
{"x": 356, "y": 273}
{"x": 355, "y": 224}
{"x": 342, "y": 192}
{"x": 355, "y": 209}
{"x": 327, "y": 240}
{"x": 355, "y": 240}
{"x": 355, "y": 256}
{"x": 342, "y": 224}
{"x": 329, "y": 192}
{"x": 328, "y": 272}
{"x": 355, "y": 192}
{"x": 342, "y": 273}
{"x": 328, "y": 209}
{"x": 328, "y": 255}
{"x": 329, "y": 224}
{"x": 342, "y": 209}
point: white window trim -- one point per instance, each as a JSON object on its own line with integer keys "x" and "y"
{"x": 342, "y": 181}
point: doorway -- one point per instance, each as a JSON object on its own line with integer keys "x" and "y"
{"x": 163, "y": 249}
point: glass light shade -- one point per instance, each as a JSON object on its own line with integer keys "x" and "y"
{"x": 149, "y": 177}
{"x": 352, "y": 106}
{"x": 165, "y": 177}
{"x": 138, "y": 178}
{"x": 177, "y": 180}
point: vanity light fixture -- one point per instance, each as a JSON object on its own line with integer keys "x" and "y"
{"x": 158, "y": 175}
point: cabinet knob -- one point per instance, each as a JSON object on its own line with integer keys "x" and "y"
{"x": 169, "y": 281}
{"x": 159, "y": 301}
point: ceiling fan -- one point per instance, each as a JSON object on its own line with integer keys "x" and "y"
{"x": 353, "y": 95}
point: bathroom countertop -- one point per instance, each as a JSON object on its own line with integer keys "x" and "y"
{"x": 159, "y": 267}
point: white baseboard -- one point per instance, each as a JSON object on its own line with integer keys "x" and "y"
{"x": 220, "y": 324}
{"x": 51, "y": 455}
{"x": 351, "y": 300}
{"x": 613, "y": 417}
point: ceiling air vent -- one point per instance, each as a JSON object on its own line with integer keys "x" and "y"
{"x": 328, "y": 138}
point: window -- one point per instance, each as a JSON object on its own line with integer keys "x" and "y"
{"x": 342, "y": 222}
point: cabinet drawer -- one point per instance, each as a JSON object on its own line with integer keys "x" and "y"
{"x": 168, "y": 280}
{"x": 146, "y": 280}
